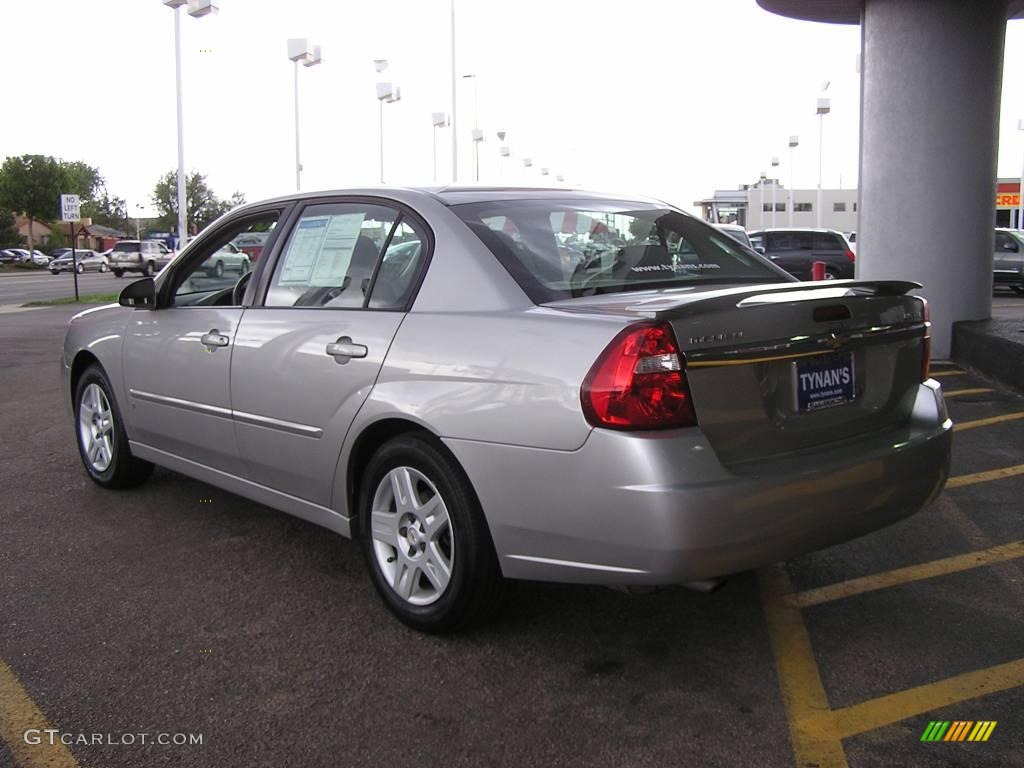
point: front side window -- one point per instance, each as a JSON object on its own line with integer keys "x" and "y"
{"x": 330, "y": 256}
{"x": 211, "y": 273}
{"x": 563, "y": 249}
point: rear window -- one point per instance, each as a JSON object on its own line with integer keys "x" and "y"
{"x": 564, "y": 249}
{"x": 126, "y": 247}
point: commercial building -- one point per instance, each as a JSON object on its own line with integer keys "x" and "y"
{"x": 752, "y": 206}
{"x": 767, "y": 204}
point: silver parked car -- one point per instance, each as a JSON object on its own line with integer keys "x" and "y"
{"x": 433, "y": 372}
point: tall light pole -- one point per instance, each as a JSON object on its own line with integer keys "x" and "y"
{"x": 823, "y": 109}
{"x": 455, "y": 132}
{"x": 1020, "y": 192}
{"x": 794, "y": 141}
{"x": 390, "y": 93}
{"x": 477, "y": 134}
{"x": 300, "y": 52}
{"x": 760, "y": 183}
{"x": 440, "y": 120}
{"x": 503, "y": 152}
{"x": 196, "y": 9}
{"x": 775, "y": 185}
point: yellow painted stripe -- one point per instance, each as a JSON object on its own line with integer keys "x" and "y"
{"x": 984, "y": 477}
{"x": 911, "y": 573}
{"x": 961, "y": 426}
{"x": 965, "y": 392}
{"x": 886, "y": 710}
{"x": 18, "y": 713}
{"x": 988, "y": 731}
{"x": 981, "y": 725}
{"x": 938, "y": 374}
{"x": 811, "y": 734}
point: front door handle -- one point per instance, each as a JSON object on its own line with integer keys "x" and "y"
{"x": 344, "y": 349}
{"x": 214, "y": 339}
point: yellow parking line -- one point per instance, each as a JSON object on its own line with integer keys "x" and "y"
{"x": 911, "y": 573}
{"x": 984, "y": 477}
{"x": 950, "y": 372}
{"x": 886, "y": 710}
{"x": 962, "y": 392}
{"x": 961, "y": 426}
{"x": 18, "y": 713}
{"x": 811, "y": 731}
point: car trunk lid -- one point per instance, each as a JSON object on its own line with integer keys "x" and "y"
{"x": 779, "y": 368}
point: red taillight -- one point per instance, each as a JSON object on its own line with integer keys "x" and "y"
{"x": 851, "y": 256}
{"x": 926, "y": 342}
{"x": 638, "y": 382}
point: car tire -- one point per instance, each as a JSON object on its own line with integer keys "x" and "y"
{"x": 103, "y": 267}
{"x": 101, "y": 436}
{"x": 118, "y": 273}
{"x": 54, "y": 271}
{"x": 832, "y": 274}
{"x": 432, "y": 561}
{"x": 1019, "y": 290}
{"x": 80, "y": 269}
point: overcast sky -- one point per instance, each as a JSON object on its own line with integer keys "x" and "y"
{"x": 672, "y": 98}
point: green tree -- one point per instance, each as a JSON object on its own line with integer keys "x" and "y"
{"x": 202, "y": 206}
{"x": 108, "y": 211}
{"x": 9, "y": 236}
{"x": 32, "y": 185}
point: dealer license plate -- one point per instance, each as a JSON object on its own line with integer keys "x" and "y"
{"x": 823, "y": 382}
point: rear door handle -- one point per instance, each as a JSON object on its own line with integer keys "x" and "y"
{"x": 214, "y": 339}
{"x": 344, "y": 349}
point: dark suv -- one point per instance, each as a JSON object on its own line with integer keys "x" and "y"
{"x": 795, "y": 250}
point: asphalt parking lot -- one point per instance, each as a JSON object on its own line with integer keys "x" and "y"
{"x": 176, "y": 608}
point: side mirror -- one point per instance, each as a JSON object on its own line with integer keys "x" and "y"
{"x": 141, "y": 293}
{"x": 1011, "y": 247}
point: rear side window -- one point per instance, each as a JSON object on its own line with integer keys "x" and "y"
{"x": 331, "y": 256}
{"x": 825, "y": 241}
{"x": 561, "y": 249}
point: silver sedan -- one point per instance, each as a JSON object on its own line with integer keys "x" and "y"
{"x": 437, "y": 373}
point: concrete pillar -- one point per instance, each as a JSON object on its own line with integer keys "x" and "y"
{"x": 930, "y": 84}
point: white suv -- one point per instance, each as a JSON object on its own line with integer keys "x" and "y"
{"x": 145, "y": 256}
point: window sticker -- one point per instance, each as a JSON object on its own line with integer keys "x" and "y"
{"x": 321, "y": 249}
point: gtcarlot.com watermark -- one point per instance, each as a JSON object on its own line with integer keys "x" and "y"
{"x": 51, "y": 736}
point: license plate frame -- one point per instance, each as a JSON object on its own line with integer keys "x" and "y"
{"x": 825, "y": 381}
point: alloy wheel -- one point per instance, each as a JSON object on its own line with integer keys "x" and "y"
{"x": 96, "y": 427}
{"x": 412, "y": 536}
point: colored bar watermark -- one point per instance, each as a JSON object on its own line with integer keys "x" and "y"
{"x": 958, "y": 730}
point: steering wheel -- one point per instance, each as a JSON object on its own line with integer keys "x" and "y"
{"x": 238, "y": 292}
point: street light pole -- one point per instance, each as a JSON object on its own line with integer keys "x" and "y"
{"x": 182, "y": 211}
{"x": 823, "y": 109}
{"x": 196, "y": 9}
{"x": 301, "y": 52}
{"x": 385, "y": 92}
{"x": 794, "y": 141}
{"x": 455, "y": 112}
{"x": 439, "y": 119}
{"x": 1020, "y": 192}
{"x": 775, "y": 185}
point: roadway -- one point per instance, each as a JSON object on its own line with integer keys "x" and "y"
{"x": 21, "y": 287}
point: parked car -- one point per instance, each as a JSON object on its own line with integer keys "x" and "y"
{"x": 227, "y": 259}
{"x": 8, "y": 257}
{"x": 58, "y": 252}
{"x": 851, "y": 238}
{"x": 1008, "y": 260}
{"x": 737, "y": 233}
{"x": 144, "y": 256}
{"x": 795, "y": 250}
{"x": 26, "y": 256}
{"x": 421, "y": 369}
{"x": 84, "y": 261}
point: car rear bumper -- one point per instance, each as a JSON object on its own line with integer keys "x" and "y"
{"x": 659, "y": 508}
{"x": 1007, "y": 277}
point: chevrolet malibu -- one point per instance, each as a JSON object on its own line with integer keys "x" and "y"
{"x": 432, "y": 372}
